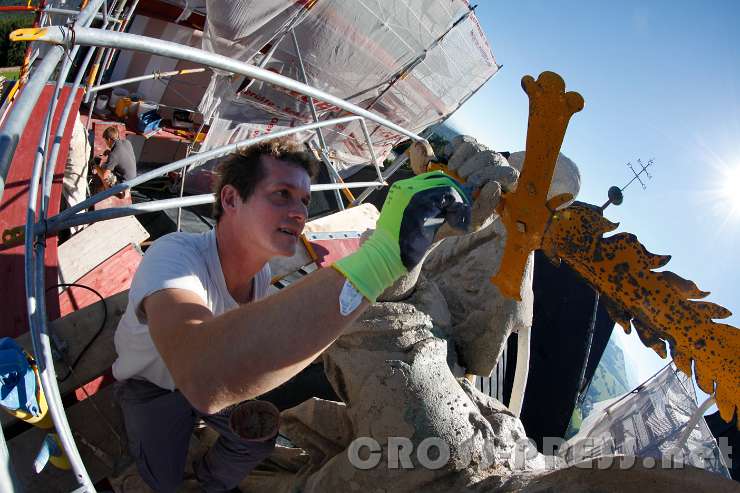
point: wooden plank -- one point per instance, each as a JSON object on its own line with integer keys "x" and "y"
{"x": 13, "y": 208}
{"x": 282, "y": 266}
{"x": 327, "y": 252}
{"x": 111, "y": 277}
{"x": 76, "y": 330}
{"x": 97, "y": 425}
{"x": 91, "y": 246}
{"x": 114, "y": 201}
{"x": 360, "y": 218}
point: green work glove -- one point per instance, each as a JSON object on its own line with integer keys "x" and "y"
{"x": 412, "y": 213}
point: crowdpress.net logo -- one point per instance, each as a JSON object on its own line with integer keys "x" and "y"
{"x": 434, "y": 453}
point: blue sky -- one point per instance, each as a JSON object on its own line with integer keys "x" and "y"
{"x": 661, "y": 80}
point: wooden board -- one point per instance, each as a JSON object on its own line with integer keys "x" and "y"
{"x": 360, "y": 219}
{"x": 91, "y": 422}
{"x": 91, "y": 246}
{"x": 110, "y": 277}
{"x": 282, "y": 266}
{"x": 114, "y": 201}
{"x": 76, "y": 330}
{"x": 328, "y": 251}
{"x": 13, "y": 317}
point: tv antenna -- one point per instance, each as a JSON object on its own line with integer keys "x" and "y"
{"x": 615, "y": 194}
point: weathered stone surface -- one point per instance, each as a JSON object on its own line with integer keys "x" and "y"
{"x": 319, "y": 427}
{"x": 392, "y": 369}
{"x": 462, "y": 153}
{"x": 395, "y": 381}
{"x": 505, "y": 175}
{"x": 455, "y": 143}
{"x": 403, "y": 287}
{"x": 482, "y": 318}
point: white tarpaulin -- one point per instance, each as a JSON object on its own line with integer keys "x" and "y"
{"x": 649, "y": 423}
{"x": 413, "y": 62}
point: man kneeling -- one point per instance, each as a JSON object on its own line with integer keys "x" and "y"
{"x": 196, "y": 338}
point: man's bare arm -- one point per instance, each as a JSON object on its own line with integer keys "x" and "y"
{"x": 219, "y": 361}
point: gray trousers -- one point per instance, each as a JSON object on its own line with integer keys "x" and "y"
{"x": 159, "y": 424}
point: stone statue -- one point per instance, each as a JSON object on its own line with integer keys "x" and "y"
{"x": 408, "y": 420}
{"x": 398, "y": 370}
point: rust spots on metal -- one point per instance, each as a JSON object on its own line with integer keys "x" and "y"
{"x": 661, "y": 306}
{"x": 526, "y": 212}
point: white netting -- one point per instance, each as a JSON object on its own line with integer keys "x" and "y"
{"x": 384, "y": 55}
{"x": 649, "y": 422}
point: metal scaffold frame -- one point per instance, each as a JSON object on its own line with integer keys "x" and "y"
{"x": 66, "y": 41}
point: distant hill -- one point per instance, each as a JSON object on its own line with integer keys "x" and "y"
{"x": 610, "y": 380}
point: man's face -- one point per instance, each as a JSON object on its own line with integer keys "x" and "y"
{"x": 272, "y": 218}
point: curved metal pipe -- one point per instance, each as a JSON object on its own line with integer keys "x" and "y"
{"x": 694, "y": 420}
{"x": 58, "y": 222}
{"x": 176, "y": 202}
{"x": 96, "y": 37}
{"x": 17, "y": 119}
{"x": 155, "y": 75}
{"x": 35, "y": 274}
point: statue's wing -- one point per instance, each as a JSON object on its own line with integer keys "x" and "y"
{"x": 662, "y": 306}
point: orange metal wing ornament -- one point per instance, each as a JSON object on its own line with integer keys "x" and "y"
{"x": 661, "y": 306}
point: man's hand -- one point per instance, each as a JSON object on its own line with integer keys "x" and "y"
{"x": 413, "y": 212}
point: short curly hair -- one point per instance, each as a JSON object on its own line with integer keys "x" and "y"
{"x": 244, "y": 169}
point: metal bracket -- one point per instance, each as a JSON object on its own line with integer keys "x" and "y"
{"x": 334, "y": 235}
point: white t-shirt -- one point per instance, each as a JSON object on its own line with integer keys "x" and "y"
{"x": 178, "y": 260}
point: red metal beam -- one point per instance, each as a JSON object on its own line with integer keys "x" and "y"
{"x": 18, "y": 8}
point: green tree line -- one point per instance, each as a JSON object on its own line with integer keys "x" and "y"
{"x": 11, "y": 54}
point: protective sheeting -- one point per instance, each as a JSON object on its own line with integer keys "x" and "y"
{"x": 648, "y": 423}
{"x": 413, "y": 62}
{"x": 188, "y": 7}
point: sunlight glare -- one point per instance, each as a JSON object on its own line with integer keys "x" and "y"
{"x": 729, "y": 192}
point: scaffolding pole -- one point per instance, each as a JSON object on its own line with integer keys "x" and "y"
{"x": 96, "y": 37}
{"x": 155, "y": 75}
{"x": 70, "y": 217}
{"x": 177, "y": 202}
{"x": 35, "y": 273}
{"x": 323, "y": 151}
